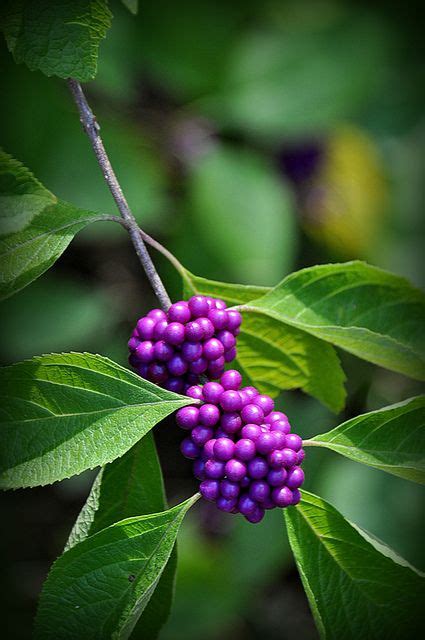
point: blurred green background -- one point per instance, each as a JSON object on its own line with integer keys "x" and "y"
{"x": 252, "y": 139}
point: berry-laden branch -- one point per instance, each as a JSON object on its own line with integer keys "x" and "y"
{"x": 92, "y": 128}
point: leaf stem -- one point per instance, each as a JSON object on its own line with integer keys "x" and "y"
{"x": 92, "y": 128}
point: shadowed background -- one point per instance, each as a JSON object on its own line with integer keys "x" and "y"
{"x": 252, "y": 139}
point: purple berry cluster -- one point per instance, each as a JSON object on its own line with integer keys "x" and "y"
{"x": 244, "y": 453}
{"x": 174, "y": 349}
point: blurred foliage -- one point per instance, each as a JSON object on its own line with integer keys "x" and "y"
{"x": 252, "y": 138}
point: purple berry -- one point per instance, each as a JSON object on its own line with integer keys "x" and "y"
{"x": 289, "y": 457}
{"x": 282, "y": 426}
{"x": 257, "y": 468}
{"x": 265, "y": 402}
{"x": 209, "y": 415}
{"x": 244, "y": 449}
{"x": 187, "y": 417}
{"x": 276, "y": 459}
{"x": 295, "y": 478}
{"x": 174, "y": 333}
{"x": 219, "y": 304}
{"x": 282, "y": 497}
{"x": 207, "y": 328}
{"x": 231, "y": 379}
{"x": 256, "y": 516}
{"x": 189, "y": 449}
{"x": 195, "y": 391}
{"x": 208, "y": 450}
{"x": 234, "y": 320}
{"x": 209, "y": 489}
{"x": 191, "y": 351}
{"x": 157, "y": 373}
{"x": 179, "y": 312}
{"x": 252, "y": 414}
{"x": 212, "y": 392}
{"x": 251, "y": 392}
{"x": 229, "y": 489}
{"x": 159, "y": 330}
{"x": 265, "y": 443}
{"x": 177, "y": 366}
{"x": 145, "y": 351}
{"x": 279, "y": 438}
{"x": 214, "y": 469}
{"x": 230, "y": 422}
{"x": 194, "y": 331}
{"x": 251, "y": 431}
{"x": 199, "y": 469}
{"x": 246, "y": 505}
{"x": 212, "y": 349}
{"x": 198, "y": 366}
{"x": 259, "y": 490}
{"x": 143, "y": 370}
{"x": 275, "y": 415}
{"x": 174, "y": 384}
{"x": 231, "y": 401}
{"x": 157, "y": 314}
{"x": 133, "y": 343}
{"x": 300, "y": 456}
{"x": 230, "y": 355}
{"x": 296, "y": 496}
{"x": 293, "y": 441}
{"x": 219, "y": 318}
{"x": 145, "y": 327}
{"x": 227, "y": 339}
{"x": 245, "y": 482}
{"x": 224, "y": 449}
{"x": 276, "y": 477}
{"x": 235, "y": 470}
{"x": 200, "y": 435}
{"x": 216, "y": 367}
{"x": 198, "y": 306}
{"x": 163, "y": 351}
{"x": 226, "y": 504}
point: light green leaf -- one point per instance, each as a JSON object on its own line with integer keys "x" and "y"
{"x": 354, "y": 590}
{"x": 369, "y": 312}
{"x": 64, "y": 413}
{"x": 60, "y": 39}
{"x": 99, "y": 588}
{"x": 132, "y": 5}
{"x": 35, "y": 227}
{"x": 244, "y": 213}
{"x": 131, "y": 486}
{"x": 273, "y": 355}
{"x": 391, "y": 439}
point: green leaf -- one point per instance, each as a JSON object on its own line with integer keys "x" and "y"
{"x": 369, "y": 312}
{"x": 35, "y": 227}
{"x": 391, "y": 439}
{"x": 132, "y": 5}
{"x": 354, "y": 590}
{"x": 102, "y": 585}
{"x": 65, "y": 413}
{"x": 244, "y": 213}
{"x": 273, "y": 355}
{"x": 131, "y": 486}
{"x": 60, "y": 39}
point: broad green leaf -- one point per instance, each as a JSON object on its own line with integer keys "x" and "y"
{"x": 64, "y": 413}
{"x": 369, "y": 312}
{"x": 244, "y": 213}
{"x": 60, "y": 39}
{"x": 273, "y": 355}
{"x": 391, "y": 439}
{"x": 35, "y": 227}
{"x": 354, "y": 590}
{"x": 127, "y": 487}
{"x": 132, "y": 5}
{"x": 99, "y": 588}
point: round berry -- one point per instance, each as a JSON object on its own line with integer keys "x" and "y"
{"x": 174, "y": 333}
{"x": 282, "y": 426}
{"x": 256, "y": 516}
{"x": 157, "y": 314}
{"x": 143, "y": 370}
{"x": 145, "y": 327}
{"x": 212, "y": 392}
{"x": 245, "y": 482}
{"x": 163, "y": 351}
{"x": 251, "y": 431}
{"x": 209, "y": 415}
{"x": 265, "y": 443}
{"x": 259, "y": 490}
{"x": 234, "y": 320}
{"x": 244, "y": 449}
{"x": 145, "y": 351}
{"x": 282, "y": 497}
{"x": 235, "y": 470}
{"x": 275, "y": 415}
{"x": 293, "y": 441}
{"x": 279, "y": 439}
{"x": 219, "y": 318}
{"x": 187, "y": 417}
{"x": 199, "y": 469}
{"x": 230, "y": 355}
{"x": 198, "y": 306}
{"x": 265, "y": 402}
{"x": 179, "y": 312}
{"x": 209, "y": 489}
{"x": 191, "y": 351}
{"x": 208, "y": 450}
{"x": 276, "y": 477}
{"x": 194, "y": 331}
{"x": 174, "y": 384}
{"x": 230, "y": 422}
{"x": 300, "y": 456}
{"x": 252, "y": 414}
{"x": 296, "y": 496}
{"x": 229, "y": 489}
{"x": 189, "y": 449}
{"x": 289, "y": 457}
{"x": 177, "y": 366}
{"x": 198, "y": 366}
{"x": 216, "y": 367}
{"x": 224, "y": 449}
{"x": 257, "y": 468}
{"x": 133, "y": 343}
{"x": 231, "y": 401}
{"x": 157, "y": 373}
{"x": 195, "y": 391}
{"x": 159, "y": 330}
{"x": 251, "y": 392}
{"x": 219, "y": 304}
{"x": 246, "y": 505}
{"x": 214, "y": 469}
{"x": 226, "y": 504}
{"x": 212, "y": 349}
{"x": 231, "y": 379}
{"x": 295, "y": 478}
{"x": 207, "y": 328}
{"x": 227, "y": 339}
{"x": 276, "y": 459}
{"x": 201, "y": 434}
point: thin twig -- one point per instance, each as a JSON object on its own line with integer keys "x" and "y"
{"x": 91, "y": 127}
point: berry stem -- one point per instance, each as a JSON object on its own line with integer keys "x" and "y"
{"x": 92, "y": 128}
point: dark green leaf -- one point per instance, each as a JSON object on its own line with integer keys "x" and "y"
{"x": 369, "y": 312}
{"x": 99, "y": 588}
{"x": 35, "y": 227}
{"x": 57, "y": 38}
{"x": 64, "y": 413}
{"x": 132, "y": 5}
{"x": 391, "y": 439}
{"x": 355, "y": 591}
{"x": 131, "y": 486}
{"x": 273, "y": 355}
